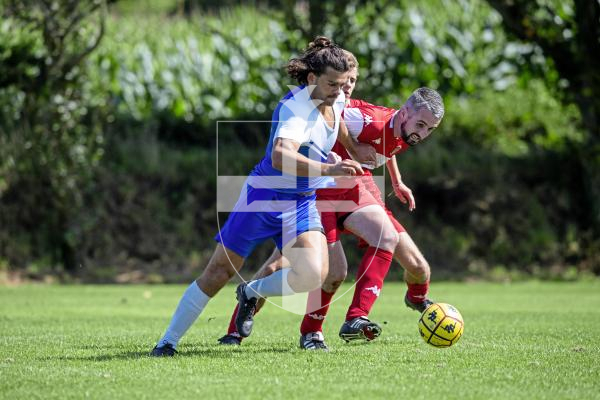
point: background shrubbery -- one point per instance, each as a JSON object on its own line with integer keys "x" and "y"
{"x": 108, "y": 169}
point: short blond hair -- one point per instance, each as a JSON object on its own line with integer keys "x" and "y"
{"x": 352, "y": 61}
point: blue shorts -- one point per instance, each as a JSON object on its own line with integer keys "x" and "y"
{"x": 262, "y": 214}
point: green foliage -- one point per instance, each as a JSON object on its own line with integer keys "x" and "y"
{"x": 490, "y": 209}
{"x": 50, "y": 135}
{"x": 114, "y": 162}
{"x": 568, "y": 33}
{"x": 515, "y": 121}
{"x": 201, "y": 71}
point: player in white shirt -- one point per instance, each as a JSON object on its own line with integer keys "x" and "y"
{"x": 278, "y": 199}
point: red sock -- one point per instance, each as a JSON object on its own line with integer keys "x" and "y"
{"x": 319, "y": 301}
{"x": 232, "y": 330}
{"x": 373, "y": 268}
{"x": 417, "y": 292}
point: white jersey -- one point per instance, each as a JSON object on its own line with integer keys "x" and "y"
{"x": 297, "y": 118}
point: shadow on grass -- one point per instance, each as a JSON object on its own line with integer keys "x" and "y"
{"x": 188, "y": 350}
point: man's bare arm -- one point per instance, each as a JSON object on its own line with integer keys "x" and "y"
{"x": 403, "y": 192}
{"x": 285, "y": 157}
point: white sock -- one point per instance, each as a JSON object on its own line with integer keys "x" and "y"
{"x": 190, "y": 307}
{"x": 275, "y": 284}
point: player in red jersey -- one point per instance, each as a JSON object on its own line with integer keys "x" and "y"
{"x": 390, "y": 132}
{"x": 374, "y": 125}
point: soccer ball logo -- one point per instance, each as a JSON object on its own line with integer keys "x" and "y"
{"x": 441, "y": 325}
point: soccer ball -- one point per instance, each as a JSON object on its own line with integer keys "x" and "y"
{"x": 441, "y": 325}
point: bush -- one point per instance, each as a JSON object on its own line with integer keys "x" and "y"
{"x": 114, "y": 170}
{"x": 50, "y": 132}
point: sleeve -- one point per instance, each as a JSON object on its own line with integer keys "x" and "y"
{"x": 292, "y": 126}
{"x": 354, "y": 121}
{"x": 355, "y": 103}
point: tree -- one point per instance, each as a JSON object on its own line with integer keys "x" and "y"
{"x": 50, "y": 130}
{"x": 569, "y": 34}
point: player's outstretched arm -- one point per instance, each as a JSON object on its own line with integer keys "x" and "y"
{"x": 403, "y": 192}
{"x": 285, "y": 157}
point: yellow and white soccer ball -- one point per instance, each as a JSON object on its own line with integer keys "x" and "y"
{"x": 441, "y": 325}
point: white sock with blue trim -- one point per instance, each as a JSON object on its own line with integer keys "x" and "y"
{"x": 275, "y": 284}
{"x": 190, "y": 306}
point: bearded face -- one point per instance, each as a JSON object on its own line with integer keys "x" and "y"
{"x": 418, "y": 126}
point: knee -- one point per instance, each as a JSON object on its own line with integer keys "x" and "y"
{"x": 389, "y": 240}
{"x": 220, "y": 271}
{"x": 332, "y": 287}
{"x": 334, "y": 280}
{"x": 215, "y": 276}
{"x": 307, "y": 283}
{"x": 311, "y": 277}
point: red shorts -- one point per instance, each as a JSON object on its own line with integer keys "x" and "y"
{"x": 335, "y": 205}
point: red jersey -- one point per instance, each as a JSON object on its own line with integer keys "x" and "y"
{"x": 374, "y": 125}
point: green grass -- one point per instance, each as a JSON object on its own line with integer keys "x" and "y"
{"x": 522, "y": 341}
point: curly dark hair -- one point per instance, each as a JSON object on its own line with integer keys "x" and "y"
{"x": 320, "y": 54}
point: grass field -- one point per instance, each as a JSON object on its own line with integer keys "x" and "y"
{"x": 522, "y": 341}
